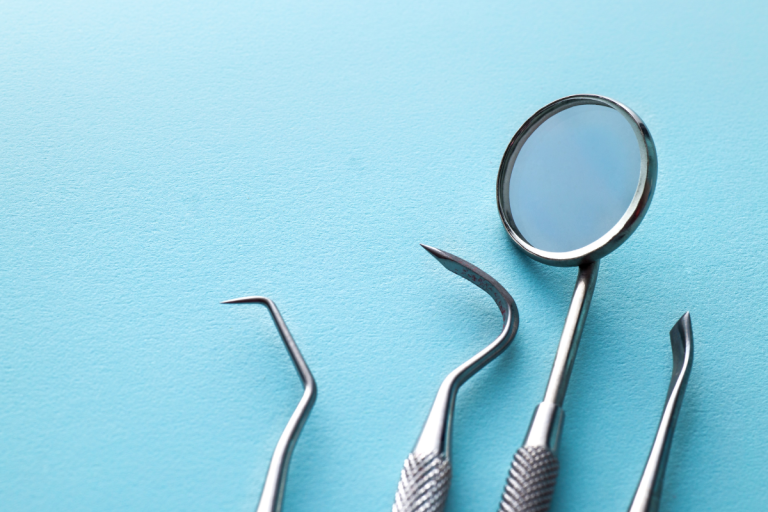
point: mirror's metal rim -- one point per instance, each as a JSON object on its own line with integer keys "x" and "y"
{"x": 628, "y": 222}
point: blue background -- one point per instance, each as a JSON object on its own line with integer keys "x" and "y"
{"x": 157, "y": 158}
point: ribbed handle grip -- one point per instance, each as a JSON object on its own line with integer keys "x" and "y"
{"x": 424, "y": 484}
{"x": 531, "y": 481}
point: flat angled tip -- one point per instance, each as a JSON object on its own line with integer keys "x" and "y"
{"x": 681, "y": 337}
{"x": 685, "y": 320}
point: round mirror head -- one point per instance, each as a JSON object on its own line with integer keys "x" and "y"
{"x": 576, "y": 180}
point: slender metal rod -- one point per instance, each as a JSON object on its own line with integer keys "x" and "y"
{"x": 648, "y": 492}
{"x": 274, "y": 485}
{"x": 569, "y": 340}
{"x": 547, "y": 421}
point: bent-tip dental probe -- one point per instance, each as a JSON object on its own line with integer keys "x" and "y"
{"x": 274, "y": 485}
{"x": 426, "y": 475}
{"x": 648, "y": 491}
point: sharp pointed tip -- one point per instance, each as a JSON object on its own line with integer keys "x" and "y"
{"x": 437, "y": 253}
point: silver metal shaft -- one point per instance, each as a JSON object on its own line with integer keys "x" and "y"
{"x": 648, "y": 491}
{"x": 533, "y": 474}
{"x": 274, "y": 485}
{"x": 546, "y": 427}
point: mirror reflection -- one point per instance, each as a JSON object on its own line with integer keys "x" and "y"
{"x": 574, "y": 178}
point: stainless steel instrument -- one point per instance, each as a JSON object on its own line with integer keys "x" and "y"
{"x": 648, "y": 491}
{"x": 274, "y": 485}
{"x": 567, "y": 199}
{"x": 426, "y": 475}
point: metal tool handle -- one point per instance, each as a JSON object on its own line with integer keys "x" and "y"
{"x": 424, "y": 484}
{"x": 531, "y": 481}
{"x": 533, "y": 475}
{"x": 426, "y": 475}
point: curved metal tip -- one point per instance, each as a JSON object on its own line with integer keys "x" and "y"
{"x": 471, "y": 273}
{"x": 681, "y": 339}
{"x": 684, "y": 322}
{"x": 435, "y": 436}
{"x": 247, "y": 300}
{"x": 437, "y": 253}
{"x": 682, "y": 333}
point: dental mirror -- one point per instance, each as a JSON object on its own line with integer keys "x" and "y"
{"x": 575, "y": 182}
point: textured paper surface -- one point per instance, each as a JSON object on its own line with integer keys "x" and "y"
{"x": 157, "y": 158}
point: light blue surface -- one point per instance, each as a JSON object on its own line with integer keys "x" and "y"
{"x": 156, "y": 159}
{"x": 574, "y": 178}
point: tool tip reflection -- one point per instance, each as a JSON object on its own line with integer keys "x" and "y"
{"x": 247, "y": 300}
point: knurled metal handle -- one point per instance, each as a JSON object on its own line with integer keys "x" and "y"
{"x": 424, "y": 484}
{"x": 531, "y": 481}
